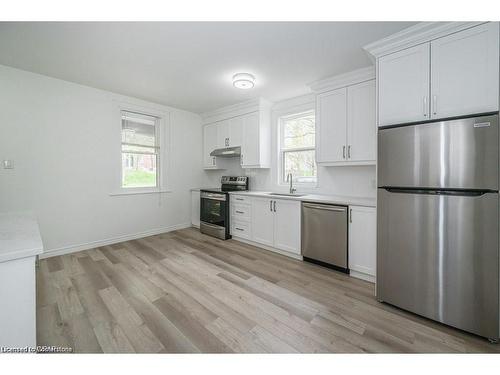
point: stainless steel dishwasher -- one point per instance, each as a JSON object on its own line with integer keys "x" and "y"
{"x": 324, "y": 235}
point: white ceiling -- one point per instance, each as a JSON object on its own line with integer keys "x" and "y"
{"x": 189, "y": 65}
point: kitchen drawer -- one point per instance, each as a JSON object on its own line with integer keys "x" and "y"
{"x": 241, "y": 229}
{"x": 240, "y": 211}
{"x": 240, "y": 199}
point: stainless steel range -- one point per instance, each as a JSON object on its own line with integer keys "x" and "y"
{"x": 214, "y": 206}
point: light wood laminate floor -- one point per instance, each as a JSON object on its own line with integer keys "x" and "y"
{"x": 184, "y": 292}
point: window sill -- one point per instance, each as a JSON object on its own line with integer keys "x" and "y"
{"x": 139, "y": 191}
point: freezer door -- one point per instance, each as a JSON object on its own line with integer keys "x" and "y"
{"x": 437, "y": 256}
{"x": 458, "y": 154}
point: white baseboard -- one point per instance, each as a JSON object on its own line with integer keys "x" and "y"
{"x": 111, "y": 241}
{"x": 268, "y": 248}
{"x": 362, "y": 276}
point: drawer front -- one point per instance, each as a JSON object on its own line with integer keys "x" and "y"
{"x": 241, "y": 229}
{"x": 240, "y": 199}
{"x": 241, "y": 211}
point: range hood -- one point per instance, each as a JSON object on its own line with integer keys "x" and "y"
{"x": 229, "y": 152}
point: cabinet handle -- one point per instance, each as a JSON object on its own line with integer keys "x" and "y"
{"x": 350, "y": 215}
{"x": 239, "y": 229}
{"x": 271, "y": 206}
{"x": 274, "y": 206}
{"x": 343, "y": 152}
{"x": 425, "y": 106}
{"x": 434, "y": 104}
{"x": 349, "y": 151}
{"x": 241, "y": 159}
{"x": 239, "y": 199}
{"x": 239, "y": 212}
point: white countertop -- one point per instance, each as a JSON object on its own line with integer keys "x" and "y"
{"x": 319, "y": 198}
{"x": 19, "y": 236}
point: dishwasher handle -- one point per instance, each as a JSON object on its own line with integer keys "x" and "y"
{"x": 324, "y": 207}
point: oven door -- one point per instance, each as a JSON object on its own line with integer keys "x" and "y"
{"x": 214, "y": 214}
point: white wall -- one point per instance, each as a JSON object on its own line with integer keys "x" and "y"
{"x": 351, "y": 181}
{"x": 63, "y": 139}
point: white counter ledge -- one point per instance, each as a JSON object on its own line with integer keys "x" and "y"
{"x": 319, "y": 198}
{"x": 19, "y": 236}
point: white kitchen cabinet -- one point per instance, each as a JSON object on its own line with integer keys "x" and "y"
{"x": 404, "y": 81}
{"x": 256, "y": 145}
{"x": 362, "y": 242}
{"x": 274, "y": 223}
{"x": 263, "y": 221}
{"x": 236, "y": 131}
{"x": 464, "y": 72}
{"x": 20, "y": 244}
{"x": 346, "y": 125}
{"x": 195, "y": 208}
{"x": 454, "y": 75}
{"x": 331, "y": 126}
{"x": 222, "y": 133}
{"x": 361, "y": 122}
{"x": 287, "y": 225}
{"x": 209, "y": 144}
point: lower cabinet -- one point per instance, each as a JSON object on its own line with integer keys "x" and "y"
{"x": 195, "y": 208}
{"x": 362, "y": 242}
{"x": 271, "y": 222}
{"x": 287, "y": 226}
{"x": 276, "y": 223}
{"x": 263, "y": 221}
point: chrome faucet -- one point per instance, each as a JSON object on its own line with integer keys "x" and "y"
{"x": 289, "y": 178}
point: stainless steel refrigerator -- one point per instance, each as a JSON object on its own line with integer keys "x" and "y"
{"x": 438, "y": 221}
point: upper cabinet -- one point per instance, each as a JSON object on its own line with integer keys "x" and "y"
{"x": 403, "y": 79}
{"x": 331, "y": 126}
{"x": 449, "y": 76}
{"x": 210, "y": 141}
{"x": 345, "y": 120}
{"x": 361, "y": 123}
{"x": 246, "y": 125}
{"x": 464, "y": 72}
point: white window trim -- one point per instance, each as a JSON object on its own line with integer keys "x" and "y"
{"x": 163, "y": 141}
{"x": 298, "y": 112}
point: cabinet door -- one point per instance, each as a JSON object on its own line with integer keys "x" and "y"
{"x": 250, "y": 150}
{"x": 403, "y": 92}
{"x": 236, "y": 131}
{"x": 362, "y": 240}
{"x": 464, "y": 72}
{"x": 209, "y": 144}
{"x": 331, "y": 126}
{"x": 195, "y": 208}
{"x": 262, "y": 221}
{"x": 223, "y": 134}
{"x": 287, "y": 225}
{"x": 361, "y": 122}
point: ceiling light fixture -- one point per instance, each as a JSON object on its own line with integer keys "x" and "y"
{"x": 243, "y": 81}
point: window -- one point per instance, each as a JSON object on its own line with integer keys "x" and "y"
{"x": 297, "y": 147}
{"x": 140, "y": 150}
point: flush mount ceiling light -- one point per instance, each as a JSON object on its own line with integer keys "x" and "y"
{"x": 243, "y": 81}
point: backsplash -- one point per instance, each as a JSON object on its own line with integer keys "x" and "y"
{"x": 354, "y": 181}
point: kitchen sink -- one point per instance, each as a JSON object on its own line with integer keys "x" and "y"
{"x": 288, "y": 194}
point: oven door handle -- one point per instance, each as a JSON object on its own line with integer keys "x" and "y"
{"x": 217, "y": 197}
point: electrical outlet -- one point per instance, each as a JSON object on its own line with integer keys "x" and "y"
{"x": 8, "y": 164}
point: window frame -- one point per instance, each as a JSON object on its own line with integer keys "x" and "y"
{"x": 162, "y": 141}
{"x": 282, "y": 150}
{"x": 157, "y": 147}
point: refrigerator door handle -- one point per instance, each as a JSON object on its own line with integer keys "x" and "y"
{"x": 471, "y": 193}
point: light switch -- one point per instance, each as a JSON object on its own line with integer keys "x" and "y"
{"x": 8, "y": 164}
